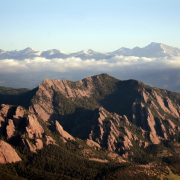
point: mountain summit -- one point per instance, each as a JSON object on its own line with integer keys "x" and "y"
{"x": 153, "y": 50}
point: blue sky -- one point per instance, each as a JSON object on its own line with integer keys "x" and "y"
{"x": 101, "y": 25}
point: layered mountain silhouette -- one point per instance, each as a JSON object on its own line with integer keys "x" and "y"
{"x": 153, "y": 50}
{"x": 99, "y": 118}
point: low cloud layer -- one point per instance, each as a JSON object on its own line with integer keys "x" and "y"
{"x": 39, "y": 64}
{"x": 161, "y": 72}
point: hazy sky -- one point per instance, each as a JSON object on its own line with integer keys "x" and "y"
{"x": 101, "y": 25}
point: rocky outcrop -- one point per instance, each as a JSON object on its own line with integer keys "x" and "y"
{"x": 160, "y": 101}
{"x": 32, "y": 147}
{"x": 130, "y": 135}
{"x": 93, "y": 144}
{"x": 39, "y": 144}
{"x": 8, "y": 154}
{"x": 10, "y": 129}
{"x": 111, "y": 142}
{"x": 50, "y": 140}
{"x": 2, "y": 125}
{"x": 4, "y": 110}
{"x": 33, "y": 128}
{"x": 59, "y": 129}
{"x": 171, "y": 107}
{"x": 26, "y": 144}
{"x": 143, "y": 144}
{"x": 125, "y": 119}
{"x": 19, "y": 115}
{"x": 151, "y": 123}
{"x": 126, "y": 144}
{"x": 145, "y": 96}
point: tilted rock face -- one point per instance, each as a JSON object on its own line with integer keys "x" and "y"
{"x": 145, "y": 96}
{"x": 171, "y": 107}
{"x": 143, "y": 144}
{"x": 160, "y": 101}
{"x": 50, "y": 140}
{"x": 8, "y": 154}
{"x": 4, "y": 110}
{"x": 25, "y": 143}
{"x": 33, "y": 128}
{"x": 39, "y": 144}
{"x": 19, "y": 115}
{"x": 127, "y": 143}
{"x": 63, "y": 133}
{"x": 107, "y": 133}
{"x": 2, "y": 124}
{"x": 130, "y": 135}
{"x": 151, "y": 123}
{"x": 46, "y": 92}
{"x": 125, "y": 119}
{"x": 111, "y": 141}
{"x": 91, "y": 143}
{"x": 10, "y": 129}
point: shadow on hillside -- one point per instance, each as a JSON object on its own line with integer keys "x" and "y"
{"x": 79, "y": 123}
{"x": 22, "y": 99}
{"x": 122, "y": 99}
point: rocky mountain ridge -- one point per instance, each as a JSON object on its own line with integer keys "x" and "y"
{"x": 97, "y": 115}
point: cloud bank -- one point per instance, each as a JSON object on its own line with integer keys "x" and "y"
{"x": 40, "y": 64}
{"x": 161, "y": 72}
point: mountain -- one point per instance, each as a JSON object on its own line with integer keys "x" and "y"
{"x": 153, "y": 50}
{"x": 96, "y": 128}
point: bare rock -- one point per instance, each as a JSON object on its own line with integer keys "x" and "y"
{"x": 33, "y": 128}
{"x": 101, "y": 132}
{"x": 37, "y": 109}
{"x": 39, "y": 144}
{"x": 145, "y": 96}
{"x": 4, "y": 110}
{"x": 172, "y": 125}
{"x": 91, "y": 143}
{"x": 26, "y": 144}
{"x": 10, "y": 129}
{"x": 125, "y": 119}
{"x": 50, "y": 140}
{"x": 154, "y": 138}
{"x": 2, "y": 125}
{"x": 113, "y": 129}
{"x": 8, "y": 154}
{"x": 116, "y": 119}
{"x": 111, "y": 141}
{"x": 19, "y": 115}
{"x": 160, "y": 101}
{"x": 171, "y": 107}
{"x": 126, "y": 143}
{"x": 63, "y": 133}
{"x": 128, "y": 155}
{"x": 130, "y": 135}
{"x": 143, "y": 132}
{"x": 151, "y": 123}
{"x": 143, "y": 144}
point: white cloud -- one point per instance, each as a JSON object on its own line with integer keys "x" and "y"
{"x": 40, "y": 64}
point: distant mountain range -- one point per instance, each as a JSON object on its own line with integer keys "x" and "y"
{"x": 153, "y": 50}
